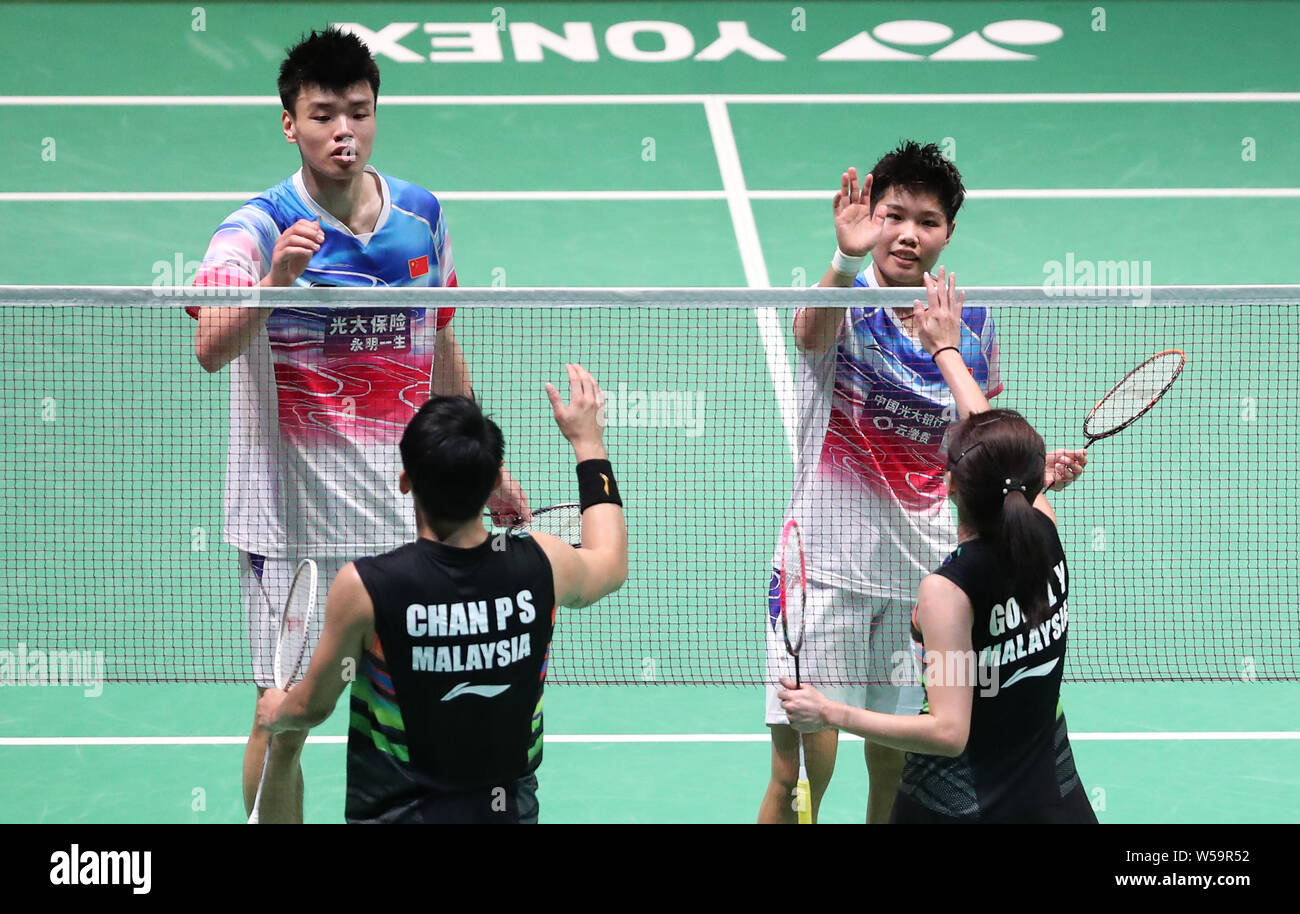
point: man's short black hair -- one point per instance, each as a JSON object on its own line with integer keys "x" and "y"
{"x": 452, "y": 453}
{"x": 331, "y": 59}
{"x": 919, "y": 167}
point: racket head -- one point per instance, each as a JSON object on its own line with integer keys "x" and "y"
{"x": 563, "y": 521}
{"x": 295, "y": 625}
{"x": 1134, "y": 395}
{"x": 793, "y": 593}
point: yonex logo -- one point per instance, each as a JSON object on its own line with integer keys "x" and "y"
{"x": 661, "y": 41}
{"x": 993, "y": 42}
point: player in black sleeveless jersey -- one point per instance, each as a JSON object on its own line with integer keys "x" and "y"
{"x": 446, "y": 639}
{"x": 989, "y": 629}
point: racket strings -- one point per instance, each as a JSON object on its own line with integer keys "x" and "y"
{"x": 295, "y": 625}
{"x": 562, "y": 521}
{"x": 794, "y": 592}
{"x": 1135, "y": 394}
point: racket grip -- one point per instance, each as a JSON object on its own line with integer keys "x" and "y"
{"x": 254, "y": 817}
{"x": 803, "y": 799}
{"x": 802, "y": 791}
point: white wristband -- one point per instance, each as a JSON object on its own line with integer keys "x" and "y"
{"x": 845, "y": 265}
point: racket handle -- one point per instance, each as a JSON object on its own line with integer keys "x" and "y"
{"x": 254, "y": 818}
{"x": 802, "y": 791}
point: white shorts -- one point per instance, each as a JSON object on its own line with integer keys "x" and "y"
{"x": 856, "y": 650}
{"x": 264, "y": 585}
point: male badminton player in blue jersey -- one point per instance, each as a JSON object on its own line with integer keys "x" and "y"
{"x": 869, "y": 494}
{"x": 319, "y": 397}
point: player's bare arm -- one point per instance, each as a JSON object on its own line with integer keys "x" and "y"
{"x": 508, "y": 504}
{"x": 857, "y": 230}
{"x": 945, "y": 616}
{"x": 450, "y": 370}
{"x": 223, "y": 334}
{"x": 939, "y": 326}
{"x": 938, "y": 323}
{"x": 583, "y": 576}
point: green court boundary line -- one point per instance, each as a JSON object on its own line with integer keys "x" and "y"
{"x": 689, "y": 98}
{"x": 611, "y": 738}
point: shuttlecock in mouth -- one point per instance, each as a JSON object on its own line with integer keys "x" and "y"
{"x": 346, "y": 152}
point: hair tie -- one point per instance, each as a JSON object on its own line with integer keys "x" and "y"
{"x": 1010, "y": 485}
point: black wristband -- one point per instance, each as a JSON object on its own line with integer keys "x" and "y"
{"x": 934, "y": 358}
{"x": 596, "y": 485}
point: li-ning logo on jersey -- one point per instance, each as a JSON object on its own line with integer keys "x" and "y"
{"x": 487, "y": 691}
{"x": 1043, "y": 669}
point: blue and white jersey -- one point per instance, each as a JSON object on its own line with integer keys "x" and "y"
{"x": 408, "y": 246}
{"x": 320, "y": 398}
{"x": 873, "y": 418}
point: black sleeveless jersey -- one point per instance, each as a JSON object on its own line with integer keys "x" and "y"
{"x": 1017, "y": 765}
{"x": 448, "y": 699}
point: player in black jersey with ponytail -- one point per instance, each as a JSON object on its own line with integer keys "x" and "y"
{"x": 990, "y": 626}
{"x": 445, "y": 640}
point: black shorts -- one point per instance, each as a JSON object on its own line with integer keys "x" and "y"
{"x": 1071, "y": 809}
{"x": 512, "y": 803}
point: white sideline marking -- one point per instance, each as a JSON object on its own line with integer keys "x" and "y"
{"x": 239, "y": 196}
{"x": 1170, "y": 736}
{"x": 751, "y": 256}
{"x": 1070, "y": 193}
{"x": 812, "y": 98}
{"x": 1013, "y": 193}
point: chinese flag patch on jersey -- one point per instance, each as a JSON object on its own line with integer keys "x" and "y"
{"x": 419, "y": 266}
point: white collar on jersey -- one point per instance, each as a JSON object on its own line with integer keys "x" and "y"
{"x": 327, "y": 219}
{"x": 870, "y": 275}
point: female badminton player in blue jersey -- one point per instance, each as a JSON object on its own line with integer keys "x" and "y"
{"x": 989, "y": 628}
{"x": 868, "y": 493}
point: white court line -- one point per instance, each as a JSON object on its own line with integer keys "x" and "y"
{"x": 609, "y": 738}
{"x": 1014, "y": 193}
{"x": 814, "y": 98}
{"x": 1070, "y": 193}
{"x": 1008, "y": 98}
{"x": 150, "y": 196}
{"x": 751, "y": 256}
